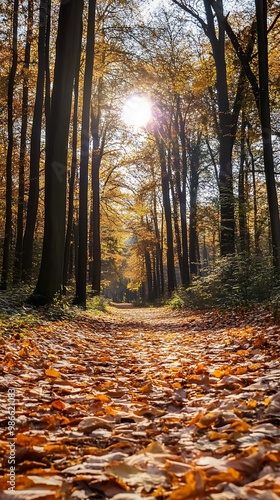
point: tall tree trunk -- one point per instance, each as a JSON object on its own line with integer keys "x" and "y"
{"x": 33, "y": 195}
{"x": 242, "y": 198}
{"x": 226, "y": 142}
{"x": 168, "y": 219}
{"x": 22, "y": 155}
{"x": 96, "y": 238}
{"x": 67, "y": 52}
{"x": 261, "y": 94}
{"x": 155, "y": 276}
{"x": 193, "y": 244}
{"x": 175, "y": 203}
{"x": 9, "y": 183}
{"x": 81, "y": 284}
{"x": 183, "y": 205}
{"x": 159, "y": 261}
{"x": 257, "y": 228}
{"x": 97, "y": 153}
{"x": 149, "y": 275}
{"x": 261, "y": 12}
{"x": 69, "y": 229}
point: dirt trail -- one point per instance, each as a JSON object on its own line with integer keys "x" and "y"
{"x": 143, "y": 402}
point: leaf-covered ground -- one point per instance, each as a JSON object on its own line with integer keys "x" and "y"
{"x": 143, "y": 403}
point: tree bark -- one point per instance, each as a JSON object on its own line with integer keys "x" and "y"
{"x": 159, "y": 262}
{"x": 175, "y": 194}
{"x": 261, "y": 12}
{"x": 194, "y": 177}
{"x": 81, "y": 284}
{"x": 9, "y": 182}
{"x": 69, "y": 229}
{"x": 22, "y": 154}
{"x": 97, "y": 153}
{"x": 67, "y": 51}
{"x": 182, "y": 190}
{"x": 171, "y": 280}
{"x": 242, "y": 196}
{"x": 33, "y": 194}
{"x": 149, "y": 276}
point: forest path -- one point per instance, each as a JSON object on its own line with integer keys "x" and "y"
{"x": 143, "y": 402}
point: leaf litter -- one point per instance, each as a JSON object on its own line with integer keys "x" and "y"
{"x": 143, "y": 403}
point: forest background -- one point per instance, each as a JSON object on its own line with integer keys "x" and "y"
{"x": 182, "y": 206}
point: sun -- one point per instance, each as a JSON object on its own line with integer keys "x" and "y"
{"x": 137, "y": 111}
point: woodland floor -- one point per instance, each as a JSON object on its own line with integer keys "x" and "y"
{"x": 140, "y": 403}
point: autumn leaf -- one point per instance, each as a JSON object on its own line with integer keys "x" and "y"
{"x": 51, "y": 372}
{"x": 148, "y": 423}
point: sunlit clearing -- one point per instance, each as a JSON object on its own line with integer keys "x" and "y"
{"x": 137, "y": 111}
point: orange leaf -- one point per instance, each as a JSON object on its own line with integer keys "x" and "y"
{"x": 58, "y": 404}
{"x": 51, "y": 372}
{"x": 81, "y": 368}
{"x": 213, "y": 435}
{"x": 56, "y": 449}
{"x": 195, "y": 485}
{"x": 240, "y": 370}
{"x": 243, "y": 352}
{"x": 254, "y": 366}
{"x": 146, "y": 388}
{"x": 252, "y": 404}
{"x": 201, "y": 368}
{"x": 30, "y": 441}
{"x": 102, "y": 397}
{"x": 219, "y": 373}
{"x": 240, "y": 425}
{"x": 22, "y": 352}
{"x": 229, "y": 476}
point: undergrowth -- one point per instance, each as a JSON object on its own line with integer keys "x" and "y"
{"x": 233, "y": 282}
{"x": 16, "y": 316}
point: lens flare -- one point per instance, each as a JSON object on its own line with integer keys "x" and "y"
{"x": 137, "y": 111}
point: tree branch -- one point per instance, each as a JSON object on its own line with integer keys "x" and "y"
{"x": 193, "y": 14}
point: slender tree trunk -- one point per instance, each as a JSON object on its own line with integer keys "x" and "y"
{"x": 149, "y": 276}
{"x": 168, "y": 219}
{"x": 33, "y": 195}
{"x": 261, "y": 94}
{"x": 193, "y": 244}
{"x": 155, "y": 276}
{"x": 242, "y": 198}
{"x": 81, "y": 284}
{"x": 67, "y": 52}
{"x": 97, "y": 154}
{"x": 261, "y": 11}
{"x": 69, "y": 229}
{"x": 22, "y": 156}
{"x": 159, "y": 261}
{"x": 9, "y": 182}
{"x": 175, "y": 203}
{"x": 183, "y": 205}
{"x": 96, "y": 238}
{"x": 257, "y": 230}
